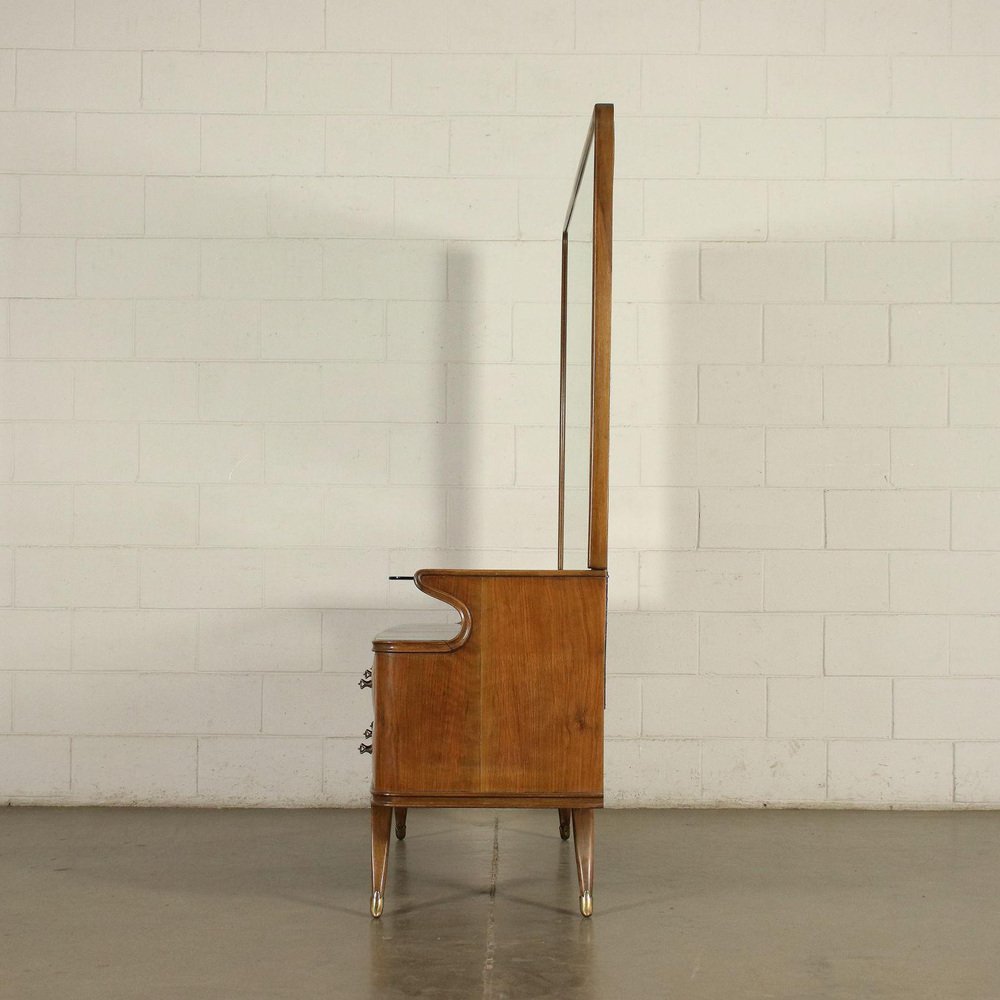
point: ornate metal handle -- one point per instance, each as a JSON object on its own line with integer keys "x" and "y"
{"x": 366, "y": 681}
{"x": 369, "y": 731}
{"x": 365, "y": 748}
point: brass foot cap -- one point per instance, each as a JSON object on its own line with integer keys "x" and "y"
{"x": 587, "y": 904}
{"x": 376, "y": 906}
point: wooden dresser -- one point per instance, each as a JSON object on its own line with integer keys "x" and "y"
{"x": 506, "y": 708}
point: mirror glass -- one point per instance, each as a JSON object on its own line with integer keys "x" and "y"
{"x": 579, "y": 324}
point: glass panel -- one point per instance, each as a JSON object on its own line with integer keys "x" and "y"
{"x": 579, "y": 320}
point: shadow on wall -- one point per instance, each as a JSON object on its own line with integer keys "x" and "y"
{"x": 502, "y": 413}
{"x": 356, "y": 485}
{"x": 444, "y": 462}
{"x": 493, "y": 396}
{"x": 447, "y": 400}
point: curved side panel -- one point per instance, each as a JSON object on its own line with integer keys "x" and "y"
{"x": 423, "y": 579}
{"x": 410, "y": 644}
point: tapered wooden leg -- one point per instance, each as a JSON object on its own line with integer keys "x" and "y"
{"x": 400, "y": 823}
{"x": 381, "y": 824}
{"x": 583, "y": 841}
{"x": 564, "y": 819}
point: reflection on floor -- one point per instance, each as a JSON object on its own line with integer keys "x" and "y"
{"x": 150, "y": 904}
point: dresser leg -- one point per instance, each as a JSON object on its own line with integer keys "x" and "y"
{"x": 381, "y": 825}
{"x": 564, "y": 819}
{"x": 400, "y": 823}
{"x": 583, "y": 841}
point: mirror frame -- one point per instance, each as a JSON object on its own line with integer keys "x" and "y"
{"x": 600, "y": 135}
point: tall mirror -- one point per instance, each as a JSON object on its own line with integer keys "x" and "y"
{"x": 585, "y": 354}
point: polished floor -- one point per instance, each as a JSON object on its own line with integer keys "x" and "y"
{"x": 151, "y": 904}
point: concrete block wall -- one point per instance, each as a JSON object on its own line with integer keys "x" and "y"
{"x": 279, "y": 318}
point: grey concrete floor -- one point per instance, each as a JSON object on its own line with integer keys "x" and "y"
{"x": 158, "y": 904}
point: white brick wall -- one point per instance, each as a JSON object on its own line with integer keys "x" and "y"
{"x": 278, "y": 317}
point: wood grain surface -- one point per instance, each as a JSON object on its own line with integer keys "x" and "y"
{"x": 516, "y": 709}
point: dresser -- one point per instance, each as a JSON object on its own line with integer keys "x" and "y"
{"x": 505, "y": 708}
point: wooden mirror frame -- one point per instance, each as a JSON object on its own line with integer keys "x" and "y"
{"x": 600, "y": 135}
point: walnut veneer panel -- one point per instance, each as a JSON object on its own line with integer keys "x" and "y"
{"x": 543, "y": 685}
{"x": 517, "y": 709}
